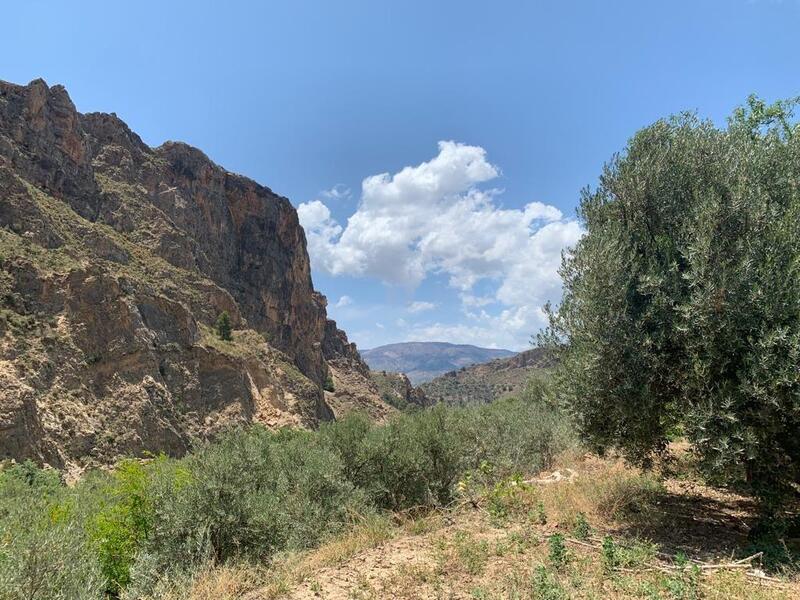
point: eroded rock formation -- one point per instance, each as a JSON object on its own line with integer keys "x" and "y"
{"x": 115, "y": 261}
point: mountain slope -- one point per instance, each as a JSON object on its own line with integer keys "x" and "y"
{"x": 486, "y": 382}
{"x": 115, "y": 261}
{"x": 422, "y": 361}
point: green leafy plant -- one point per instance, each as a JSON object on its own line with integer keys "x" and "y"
{"x": 609, "y": 553}
{"x": 558, "y": 553}
{"x": 545, "y": 586}
{"x": 581, "y": 528}
{"x": 120, "y": 528}
{"x": 539, "y": 515}
{"x": 328, "y": 385}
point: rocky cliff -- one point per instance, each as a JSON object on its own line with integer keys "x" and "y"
{"x": 396, "y": 390}
{"x": 115, "y": 261}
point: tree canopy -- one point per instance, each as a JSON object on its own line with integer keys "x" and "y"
{"x": 681, "y": 304}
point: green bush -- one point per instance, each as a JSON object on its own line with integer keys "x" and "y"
{"x": 411, "y": 461}
{"x": 138, "y": 530}
{"x": 328, "y": 386}
{"x": 516, "y": 435}
{"x": 416, "y": 458}
{"x": 123, "y": 521}
{"x": 44, "y": 551}
{"x": 249, "y": 494}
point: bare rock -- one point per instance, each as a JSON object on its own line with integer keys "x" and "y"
{"x": 115, "y": 261}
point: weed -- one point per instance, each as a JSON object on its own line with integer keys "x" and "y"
{"x": 558, "y": 554}
{"x": 544, "y": 586}
{"x": 581, "y": 528}
{"x": 540, "y": 516}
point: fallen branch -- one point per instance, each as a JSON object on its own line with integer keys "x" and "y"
{"x": 750, "y": 558}
{"x": 744, "y": 564}
{"x": 581, "y": 543}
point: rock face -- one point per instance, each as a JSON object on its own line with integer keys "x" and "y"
{"x": 396, "y": 390}
{"x": 115, "y": 261}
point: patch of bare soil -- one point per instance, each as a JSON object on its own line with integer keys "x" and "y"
{"x": 703, "y": 522}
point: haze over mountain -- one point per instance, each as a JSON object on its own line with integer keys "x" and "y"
{"x": 422, "y": 361}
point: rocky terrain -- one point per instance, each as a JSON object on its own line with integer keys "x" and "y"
{"x": 396, "y": 390}
{"x": 115, "y": 261}
{"x": 422, "y": 361}
{"x": 486, "y": 382}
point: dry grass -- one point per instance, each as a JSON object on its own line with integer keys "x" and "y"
{"x": 606, "y": 491}
{"x": 503, "y": 549}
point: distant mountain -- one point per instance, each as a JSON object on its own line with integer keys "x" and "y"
{"x": 486, "y": 382}
{"x": 422, "y": 361}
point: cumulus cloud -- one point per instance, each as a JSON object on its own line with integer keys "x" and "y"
{"x": 434, "y": 218}
{"x": 344, "y": 301}
{"x": 420, "y": 306}
{"x": 338, "y": 192}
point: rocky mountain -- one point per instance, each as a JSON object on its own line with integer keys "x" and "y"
{"x": 486, "y": 382}
{"x": 115, "y": 261}
{"x": 396, "y": 390}
{"x": 422, "y": 361}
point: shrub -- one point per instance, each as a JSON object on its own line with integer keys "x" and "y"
{"x": 417, "y": 457}
{"x": 249, "y": 494}
{"x": 123, "y": 523}
{"x": 44, "y": 553}
{"x": 328, "y": 385}
{"x": 558, "y": 553}
{"x": 581, "y": 529}
{"x": 516, "y": 435}
{"x": 544, "y": 586}
{"x": 411, "y": 461}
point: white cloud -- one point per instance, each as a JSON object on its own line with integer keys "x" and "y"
{"x": 344, "y": 301}
{"x": 434, "y": 219}
{"x": 420, "y": 306}
{"x": 469, "y": 300}
{"x": 512, "y": 328}
{"x": 338, "y": 192}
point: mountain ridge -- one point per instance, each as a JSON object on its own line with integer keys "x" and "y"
{"x": 422, "y": 361}
{"x": 115, "y": 261}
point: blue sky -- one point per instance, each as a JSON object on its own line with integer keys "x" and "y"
{"x": 317, "y": 100}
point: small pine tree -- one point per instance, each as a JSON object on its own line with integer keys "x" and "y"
{"x": 328, "y": 386}
{"x": 224, "y": 326}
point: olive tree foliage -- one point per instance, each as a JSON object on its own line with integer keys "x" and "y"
{"x": 681, "y": 303}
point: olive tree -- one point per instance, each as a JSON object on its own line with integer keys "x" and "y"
{"x": 681, "y": 304}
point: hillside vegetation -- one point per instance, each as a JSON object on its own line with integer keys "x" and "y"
{"x": 486, "y": 382}
{"x": 251, "y": 494}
